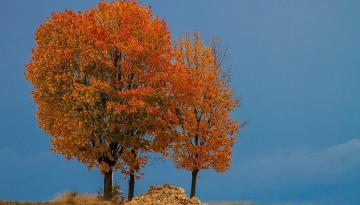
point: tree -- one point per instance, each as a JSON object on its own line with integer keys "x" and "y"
{"x": 132, "y": 164}
{"x": 203, "y": 103}
{"x": 98, "y": 80}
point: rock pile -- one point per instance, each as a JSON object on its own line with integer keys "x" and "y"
{"x": 164, "y": 195}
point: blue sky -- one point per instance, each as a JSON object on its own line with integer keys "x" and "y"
{"x": 296, "y": 67}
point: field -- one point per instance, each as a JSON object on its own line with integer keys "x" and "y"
{"x": 96, "y": 202}
{"x": 167, "y": 195}
{"x": 92, "y": 203}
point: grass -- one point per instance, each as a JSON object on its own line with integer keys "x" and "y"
{"x": 74, "y": 198}
{"x": 87, "y": 201}
{"x": 90, "y": 200}
{"x": 69, "y": 198}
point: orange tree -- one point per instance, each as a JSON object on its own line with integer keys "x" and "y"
{"x": 98, "y": 79}
{"x": 202, "y": 104}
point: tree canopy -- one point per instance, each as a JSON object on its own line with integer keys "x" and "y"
{"x": 110, "y": 86}
{"x": 98, "y": 78}
{"x": 205, "y": 131}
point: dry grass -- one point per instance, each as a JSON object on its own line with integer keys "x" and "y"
{"x": 69, "y": 198}
{"x": 73, "y": 198}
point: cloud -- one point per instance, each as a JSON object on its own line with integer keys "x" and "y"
{"x": 300, "y": 169}
{"x": 339, "y": 160}
{"x": 326, "y": 176}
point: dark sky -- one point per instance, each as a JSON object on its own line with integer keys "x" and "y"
{"x": 296, "y": 67}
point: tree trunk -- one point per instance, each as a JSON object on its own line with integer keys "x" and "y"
{"x": 108, "y": 185}
{"x": 131, "y": 186}
{"x": 193, "y": 182}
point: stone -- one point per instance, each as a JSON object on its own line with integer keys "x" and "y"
{"x": 164, "y": 195}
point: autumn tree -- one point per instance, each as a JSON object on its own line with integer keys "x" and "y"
{"x": 131, "y": 165}
{"x": 98, "y": 79}
{"x": 205, "y": 133}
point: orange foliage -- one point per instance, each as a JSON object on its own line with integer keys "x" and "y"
{"x": 109, "y": 87}
{"x": 203, "y": 103}
{"x": 99, "y": 78}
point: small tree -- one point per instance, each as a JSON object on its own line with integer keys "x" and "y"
{"x": 203, "y": 102}
{"x": 157, "y": 141}
{"x": 98, "y": 78}
{"x": 131, "y": 167}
